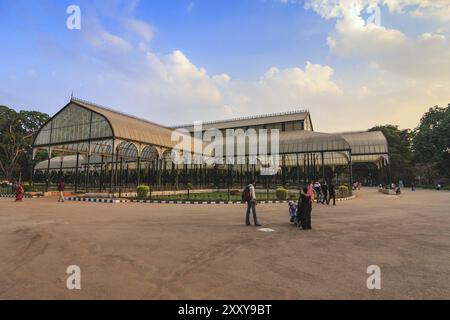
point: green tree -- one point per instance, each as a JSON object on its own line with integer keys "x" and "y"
{"x": 400, "y": 153}
{"x": 16, "y": 136}
{"x": 431, "y": 142}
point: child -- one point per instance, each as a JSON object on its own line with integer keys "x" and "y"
{"x": 292, "y": 212}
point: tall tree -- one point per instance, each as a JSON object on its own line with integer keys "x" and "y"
{"x": 400, "y": 154}
{"x": 16, "y": 136}
{"x": 431, "y": 143}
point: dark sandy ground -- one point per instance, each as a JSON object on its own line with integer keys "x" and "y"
{"x": 151, "y": 251}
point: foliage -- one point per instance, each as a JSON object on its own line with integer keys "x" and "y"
{"x": 142, "y": 191}
{"x": 235, "y": 192}
{"x": 16, "y": 136}
{"x": 400, "y": 153}
{"x": 343, "y": 191}
{"x": 281, "y": 193}
{"x": 431, "y": 143}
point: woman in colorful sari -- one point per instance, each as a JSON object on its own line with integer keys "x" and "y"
{"x": 19, "y": 192}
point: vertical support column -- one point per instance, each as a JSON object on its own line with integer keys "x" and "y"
{"x": 298, "y": 172}
{"x": 87, "y": 169}
{"x": 116, "y": 171}
{"x": 351, "y": 169}
{"x": 47, "y": 180}
{"x": 111, "y": 177}
{"x": 138, "y": 170}
{"x": 228, "y": 181}
{"x": 121, "y": 176}
{"x": 323, "y": 166}
{"x": 60, "y": 174}
{"x": 77, "y": 164}
{"x": 101, "y": 172}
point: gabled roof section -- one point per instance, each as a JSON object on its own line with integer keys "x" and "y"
{"x": 252, "y": 121}
{"x": 131, "y": 128}
{"x": 366, "y": 142}
{"x": 308, "y": 141}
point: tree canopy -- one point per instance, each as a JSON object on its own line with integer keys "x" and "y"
{"x": 400, "y": 153}
{"x": 16, "y": 136}
{"x": 431, "y": 142}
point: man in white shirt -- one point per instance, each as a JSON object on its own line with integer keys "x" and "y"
{"x": 251, "y": 204}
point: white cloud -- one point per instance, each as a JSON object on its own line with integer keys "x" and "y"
{"x": 315, "y": 79}
{"x": 143, "y": 29}
{"x": 103, "y": 40}
{"x": 190, "y": 7}
{"x": 427, "y": 55}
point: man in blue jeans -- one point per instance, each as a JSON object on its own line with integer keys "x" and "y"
{"x": 250, "y": 198}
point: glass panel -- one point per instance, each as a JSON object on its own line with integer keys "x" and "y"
{"x": 73, "y": 124}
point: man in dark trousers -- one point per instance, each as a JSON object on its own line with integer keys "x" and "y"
{"x": 332, "y": 193}
{"x": 324, "y": 188}
{"x": 249, "y": 196}
{"x": 304, "y": 209}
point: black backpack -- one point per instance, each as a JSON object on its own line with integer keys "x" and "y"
{"x": 246, "y": 194}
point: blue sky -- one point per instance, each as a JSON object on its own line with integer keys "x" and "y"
{"x": 179, "y": 61}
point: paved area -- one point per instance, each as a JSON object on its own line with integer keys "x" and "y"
{"x": 163, "y": 251}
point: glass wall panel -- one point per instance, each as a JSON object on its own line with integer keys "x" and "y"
{"x": 74, "y": 124}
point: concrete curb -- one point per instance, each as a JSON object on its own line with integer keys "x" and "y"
{"x": 99, "y": 200}
{"x": 13, "y": 196}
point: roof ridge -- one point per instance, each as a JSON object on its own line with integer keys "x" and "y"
{"x": 74, "y": 99}
{"x": 267, "y": 115}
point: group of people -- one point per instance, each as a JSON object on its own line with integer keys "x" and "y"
{"x": 323, "y": 192}
{"x": 300, "y": 212}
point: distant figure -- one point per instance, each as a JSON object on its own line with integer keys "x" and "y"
{"x": 311, "y": 191}
{"x": 249, "y": 196}
{"x": 61, "y": 187}
{"x": 304, "y": 208}
{"x": 293, "y": 217}
{"x": 19, "y": 192}
{"x": 318, "y": 190}
{"x": 325, "y": 193}
{"x": 332, "y": 192}
{"x": 413, "y": 187}
{"x": 438, "y": 187}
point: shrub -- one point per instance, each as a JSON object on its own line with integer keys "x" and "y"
{"x": 293, "y": 196}
{"x": 343, "y": 191}
{"x": 235, "y": 192}
{"x": 142, "y": 191}
{"x": 281, "y": 193}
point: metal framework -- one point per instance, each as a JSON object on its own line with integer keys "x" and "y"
{"x": 97, "y": 149}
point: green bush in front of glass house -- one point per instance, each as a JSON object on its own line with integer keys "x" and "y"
{"x": 142, "y": 191}
{"x": 281, "y": 193}
{"x": 235, "y": 192}
{"x": 343, "y": 191}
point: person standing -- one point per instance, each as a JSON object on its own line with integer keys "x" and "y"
{"x": 304, "y": 209}
{"x": 413, "y": 187}
{"x": 311, "y": 191}
{"x": 249, "y": 196}
{"x": 19, "y": 192}
{"x": 332, "y": 194}
{"x": 317, "y": 189}
{"x": 324, "y": 188}
{"x": 61, "y": 187}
